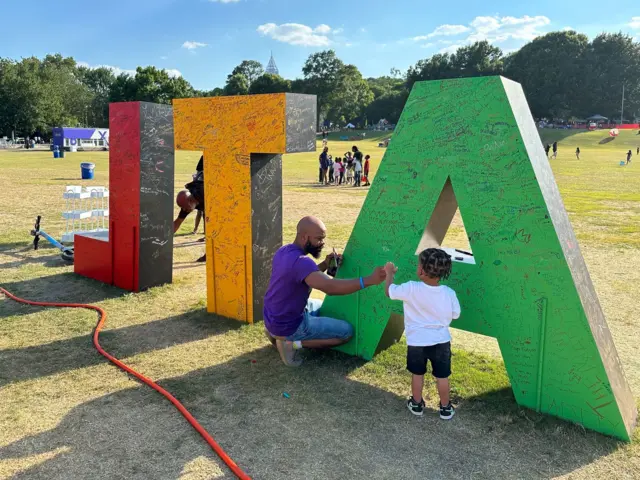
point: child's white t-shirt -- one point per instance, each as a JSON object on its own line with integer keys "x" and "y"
{"x": 428, "y": 311}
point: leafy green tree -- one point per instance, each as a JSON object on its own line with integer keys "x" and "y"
{"x": 478, "y": 59}
{"x": 251, "y": 69}
{"x": 389, "y": 106}
{"x": 384, "y": 85}
{"x": 123, "y": 89}
{"x": 269, "y": 83}
{"x": 149, "y": 84}
{"x": 299, "y": 85}
{"x": 237, "y": 85}
{"x": 611, "y": 61}
{"x": 552, "y": 72}
{"x": 321, "y": 74}
{"x": 216, "y": 92}
{"x": 350, "y": 96}
{"x": 20, "y": 96}
{"x": 99, "y": 81}
{"x": 37, "y": 95}
{"x": 154, "y": 85}
{"x": 437, "y": 67}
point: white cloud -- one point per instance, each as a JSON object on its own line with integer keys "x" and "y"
{"x": 224, "y": 1}
{"x": 338, "y": 31}
{"x": 322, "y": 29}
{"x": 635, "y": 22}
{"x": 499, "y": 29}
{"x": 163, "y": 57}
{"x": 568, "y": 29}
{"x": 428, "y": 45}
{"x": 297, "y": 34}
{"x": 443, "y": 30}
{"x": 116, "y": 70}
{"x": 494, "y": 29}
{"x": 193, "y": 45}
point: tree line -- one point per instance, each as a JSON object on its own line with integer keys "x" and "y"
{"x": 563, "y": 74}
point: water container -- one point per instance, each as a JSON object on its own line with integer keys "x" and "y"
{"x": 56, "y": 154}
{"x": 87, "y": 170}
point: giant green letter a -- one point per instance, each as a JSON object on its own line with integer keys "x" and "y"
{"x": 472, "y": 143}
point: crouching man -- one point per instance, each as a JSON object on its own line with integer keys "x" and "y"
{"x": 291, "y": 319}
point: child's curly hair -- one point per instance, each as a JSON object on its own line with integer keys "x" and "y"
{"x": 436, "y": 263}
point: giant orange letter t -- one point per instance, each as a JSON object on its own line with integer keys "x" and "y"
{"x": 243, "y": 139}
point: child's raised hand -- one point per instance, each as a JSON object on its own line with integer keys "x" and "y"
{"x": 390, "y": 268}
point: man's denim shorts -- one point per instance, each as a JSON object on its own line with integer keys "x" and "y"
{"x": 314, "y": 327}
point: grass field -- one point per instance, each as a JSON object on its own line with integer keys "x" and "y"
{"x": 66, "y": 413}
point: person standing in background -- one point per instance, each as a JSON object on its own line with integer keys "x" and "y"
{"x": 357, "y": 166}
{"x": 366, "y": 171}
{"x": 324, "y": 166}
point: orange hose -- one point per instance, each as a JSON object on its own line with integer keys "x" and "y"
{"x": 185, "y": 413}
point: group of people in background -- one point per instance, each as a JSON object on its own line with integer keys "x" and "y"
{"x": 548, "y": 147}
{"x": 352, "y": 169}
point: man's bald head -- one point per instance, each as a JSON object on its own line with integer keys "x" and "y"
{"x": 186, "y": 201}
{"x": 310, "y": 224}
{"x": 311, "y": 233}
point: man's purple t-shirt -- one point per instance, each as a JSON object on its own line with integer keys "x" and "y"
{"x": 287, "y": 295}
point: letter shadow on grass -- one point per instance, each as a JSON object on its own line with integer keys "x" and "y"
{"x": 329, "y": 427}
{"x": 78, "y": 352}
{"x": 66, "y": 287}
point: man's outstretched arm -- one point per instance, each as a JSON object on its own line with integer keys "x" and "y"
{"x": 332, "y": 286}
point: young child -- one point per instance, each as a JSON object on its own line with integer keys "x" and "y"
{"x": 338, "y": 173}
{"x": 578, "y": 153}
{"x": 357, "y": 168}
{"x": 429, "y": 308}
{"x": 348, "y": 160}
{"x": 350, "y": 172}
{"x": 366, "y": 170}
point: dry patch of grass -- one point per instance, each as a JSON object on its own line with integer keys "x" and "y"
{"x": 66, "y": 413}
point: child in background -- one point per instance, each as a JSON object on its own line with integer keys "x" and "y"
{"x": 348, "y": 167}
{"x": 357, "y": 167}
{"x": 366, "y": 170}
{"x": 338, "y": 173}
{"x": 349, "y": 172}
{"x": 578, "y": 153}
{"x": 429, "y": 308}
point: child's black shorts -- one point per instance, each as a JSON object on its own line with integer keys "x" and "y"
{"x": 439, "y": 355}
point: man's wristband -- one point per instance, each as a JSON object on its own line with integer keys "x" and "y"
{"x": 361, "y": 283}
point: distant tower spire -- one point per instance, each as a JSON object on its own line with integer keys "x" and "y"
{"x": 271, "y": 67}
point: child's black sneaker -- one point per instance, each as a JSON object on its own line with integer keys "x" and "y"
{"x": 447, "y": 413}
{"x": 415, "y": 407}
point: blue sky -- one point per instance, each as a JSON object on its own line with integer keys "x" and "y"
{"x": 203, "y": 40}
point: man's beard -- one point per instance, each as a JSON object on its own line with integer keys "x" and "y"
{"x": 314, "y": 251}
